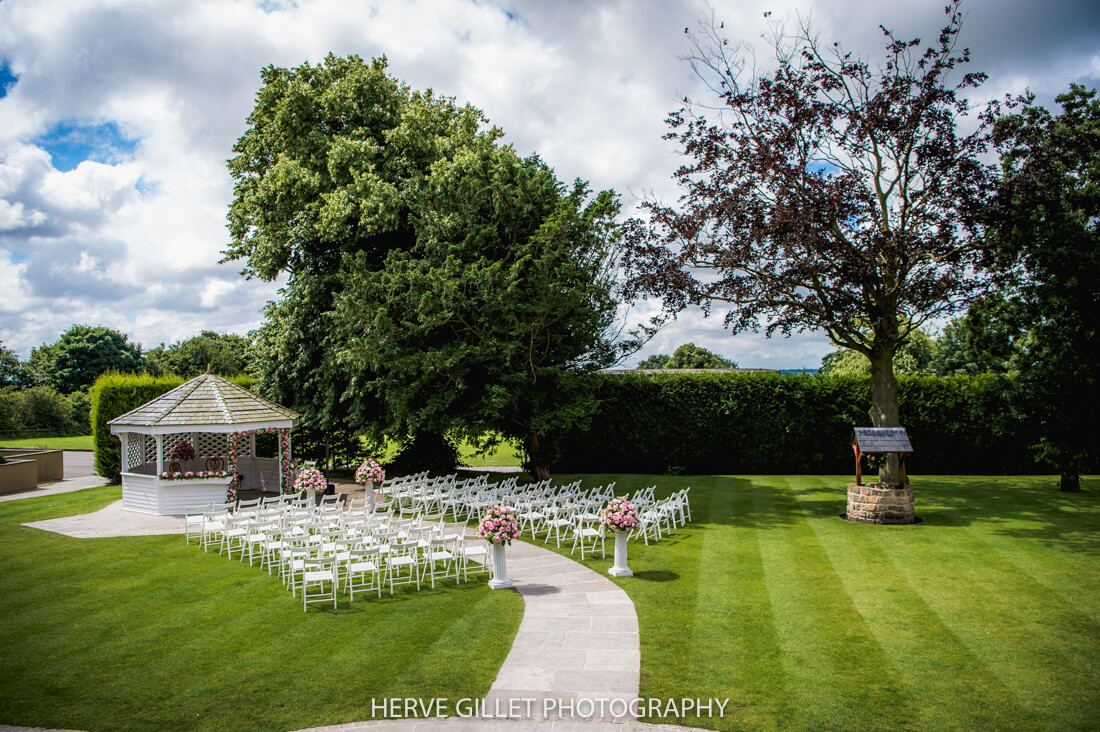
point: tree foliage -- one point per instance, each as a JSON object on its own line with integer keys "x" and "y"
{"x": 990, "y": 338}
{"x": 13, "y": 372}
{"x": 830, "y": 194}
{"x": 915, "y": 357}
{"x": 437, "y": 280}
{"x": 80, "y": 355}
{"x": 688, "y": 356}
{"x": 1046, "y": 218}
{"x": 218, "y": 353}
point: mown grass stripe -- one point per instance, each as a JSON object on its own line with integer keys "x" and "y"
{"x": 925, "y": 652}
{"x": 833, "y": 659}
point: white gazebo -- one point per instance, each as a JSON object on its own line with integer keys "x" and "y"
{"x": 220, "y": 421}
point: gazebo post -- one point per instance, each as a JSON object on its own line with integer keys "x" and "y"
{"x": 160, "y": 453}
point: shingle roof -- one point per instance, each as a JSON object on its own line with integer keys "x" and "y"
{"x": 206, "y": 400}
{"x": 882, "y": 439}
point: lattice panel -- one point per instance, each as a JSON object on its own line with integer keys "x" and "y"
{"x": 170, "y": 442}
{"x": 244, "y": 446}
{"x": 149, "y": 447}
{"x": 135, "y": 445}
{"x": 211, "y": 445}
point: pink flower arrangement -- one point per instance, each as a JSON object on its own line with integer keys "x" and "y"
{"x": 370, "y": 471}
{"x": 310, "y": 479}
{"x": 499, "y": 525}
{"x": 620, "y": 515}
{"x": 194, "y": 475}
{"x": 182, "y": 452}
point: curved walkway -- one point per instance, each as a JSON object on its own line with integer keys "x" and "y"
{"x": 573, "y": 665}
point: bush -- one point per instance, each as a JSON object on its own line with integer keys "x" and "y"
{"x": 12, "y": 411}
{"x": 771, "y": 423}
{"x": 42, "y": 410}
{"x": 116, "y": 394}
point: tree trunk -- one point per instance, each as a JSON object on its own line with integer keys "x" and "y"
{"x": 1070, "y": 483}
{"x": 884, "y": 406}
{"x": 536, "y": 463}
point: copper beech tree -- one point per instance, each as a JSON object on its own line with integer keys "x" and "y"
{"x": 829, "y": 193}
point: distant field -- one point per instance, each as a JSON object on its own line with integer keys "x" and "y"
{"x": 80, "y": 442}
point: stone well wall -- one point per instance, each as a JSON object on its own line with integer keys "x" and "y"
{"x": 881, "y": 505}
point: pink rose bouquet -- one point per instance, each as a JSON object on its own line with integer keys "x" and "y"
{"x": 620, "y": 515}
{"x": 499, "y": 525}
{"x": 369, "y": 472}
{"x": 310, "y": 479}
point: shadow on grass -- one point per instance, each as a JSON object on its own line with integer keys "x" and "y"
{"x": 656, "y": 575}
{"x": 1025, "y": 507}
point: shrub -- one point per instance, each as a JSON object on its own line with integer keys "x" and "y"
{"x": 12, "y": 410}
{"x": 772, "y": 423}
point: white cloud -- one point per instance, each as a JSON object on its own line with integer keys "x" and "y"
{"x": 132, "y": 240}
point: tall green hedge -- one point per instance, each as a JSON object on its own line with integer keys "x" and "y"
{"x": 773, "y": 423}
{"x": 116, "y": 394}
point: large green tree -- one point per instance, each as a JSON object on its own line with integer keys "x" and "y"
{"x": 437, "y": 280}
{"x": 1047, "y": 218}
{"x": 830, "y": 193}
{"x": 80, "y": 355}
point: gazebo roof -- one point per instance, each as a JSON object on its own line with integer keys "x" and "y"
{"x": 207, "y": 403}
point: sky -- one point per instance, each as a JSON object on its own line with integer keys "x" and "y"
{"x": 117, "y": 117}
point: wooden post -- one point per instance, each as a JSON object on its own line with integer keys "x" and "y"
{"x": 859, "y": 463}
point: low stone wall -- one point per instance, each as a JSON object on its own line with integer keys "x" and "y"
{"x": 870, "y": 505}
{"x": 17, "y": 476}
{"x": 51, "y": 463}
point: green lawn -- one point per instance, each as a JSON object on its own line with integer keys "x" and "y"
{"x": 981, "y": 617}
{"x": 80, "y": 442}
{"x": 147, "y": 633}
{"x": 984, "y": 616}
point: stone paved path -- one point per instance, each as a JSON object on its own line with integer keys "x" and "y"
{"x": 576, "y": 653}
{"x": 573, "y": 666}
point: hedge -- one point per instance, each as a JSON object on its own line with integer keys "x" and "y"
{"x": 772, "y": 423}
{"x": 115, "y": 394}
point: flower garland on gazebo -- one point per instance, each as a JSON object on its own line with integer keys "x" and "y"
{"x": 286, "y": 465}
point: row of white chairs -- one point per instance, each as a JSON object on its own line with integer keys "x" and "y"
{"x": 659, "y": 518}
{"x": 323, "y": 550}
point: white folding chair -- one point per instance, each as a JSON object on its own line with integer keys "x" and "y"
{"x": 475, "y": 551}
{"x": 363, "y": 571}
{"x": 587, "y": 530}
{"x": 403, "y": 564}
{"x": 193, "y": 517}
{"x": 318, "y": 581}
{"x": 440, "y": 552}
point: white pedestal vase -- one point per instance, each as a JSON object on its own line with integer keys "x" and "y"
{"x": 500, "y": 579}
{"x": 619, "y": 569}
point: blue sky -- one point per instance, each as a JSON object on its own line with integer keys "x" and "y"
{"x": 116, "y": 119}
